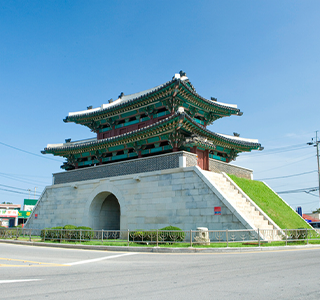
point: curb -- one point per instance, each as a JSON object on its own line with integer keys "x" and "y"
{"x": 163, "y": 250}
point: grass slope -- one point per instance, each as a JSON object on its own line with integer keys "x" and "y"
{"x": 270, "y": 203}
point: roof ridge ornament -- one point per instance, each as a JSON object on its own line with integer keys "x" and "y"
{"x": 182, "y": 74}
{"x": 180, "y": 110}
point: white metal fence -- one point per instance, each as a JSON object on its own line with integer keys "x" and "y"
{"x": 157, "y": 237}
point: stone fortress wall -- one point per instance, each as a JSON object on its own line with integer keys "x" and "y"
{"x": 148, "y": 164}
{"x": 150, "y": 193}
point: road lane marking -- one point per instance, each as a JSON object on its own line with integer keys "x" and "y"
{"x": 18, "y": 280}
{"x": 98, "y": 259}
{"x": 28, "y": 263}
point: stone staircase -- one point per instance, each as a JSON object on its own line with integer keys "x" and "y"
{"x": 244, "y": 205}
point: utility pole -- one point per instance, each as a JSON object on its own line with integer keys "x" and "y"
{"x": 316, "y": 144}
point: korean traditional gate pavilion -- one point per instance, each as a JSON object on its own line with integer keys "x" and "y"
{"x": 167, "y": 118}
{"x": 153, "y": 163}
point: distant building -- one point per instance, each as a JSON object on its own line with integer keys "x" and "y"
{"x": 9, "y": 214}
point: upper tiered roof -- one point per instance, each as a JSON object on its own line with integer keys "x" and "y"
{"x": 178, "y": 87}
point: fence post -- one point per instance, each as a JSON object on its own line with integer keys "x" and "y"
{"x": 128, "y": 237}
{"x": 80, "y": 236}
{"x": 307, "y": 236}
{"x": 60, "y": 235}
{"x": 17, "y": 233}
{"x": 227, "y": 238}
{"x": 102, "y": 236}
{"x": 286, "y": 237}
{"x": 30, "y": 235}
{"x": 259, "y": 237}
{"x": 157, "y": 239}
{"x": 190, "y": 237}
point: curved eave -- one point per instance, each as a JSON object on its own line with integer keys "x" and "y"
{"x": 192, "y": 95}
{"x": 209, "y": 103}
{"x": 176, "y": 121}
{"x": 219, "y": 139}
{"x": 121, "y": 106}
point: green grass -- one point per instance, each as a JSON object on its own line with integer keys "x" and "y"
{"x": 124, "y": 243}
{"x": 187, "y": 245}
{"x": 271, "y": 203}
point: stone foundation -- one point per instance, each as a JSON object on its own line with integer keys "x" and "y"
{"x": 152, "y": 200}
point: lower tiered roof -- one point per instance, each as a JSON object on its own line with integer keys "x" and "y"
{"x": 178, "y": 131}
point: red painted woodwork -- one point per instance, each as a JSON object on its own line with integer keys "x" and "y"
{"x": 129, "y": 128}
{"x": 203, "y": 159}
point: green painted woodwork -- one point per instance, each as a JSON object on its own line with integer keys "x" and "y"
{"x": 128, "y": 114}
{"x": 105, "y": 129}
{"x": 117, "y": 157}
{"x": 153, "y": 139}
{"x": 131, "y": 123}
{"x": 198, "y": 121}
{"x": 164, "y": 113}
{"x": 115, "y": 148}
{"x": 158, "y": 104}
{"x": 217, "y": 157}
{"x": 144, "y": 119}
{"x": 157, "y": 149}
{"x": 119, "y": 126}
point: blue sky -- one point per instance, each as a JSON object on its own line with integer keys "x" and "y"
{"x": 62, "y": 56}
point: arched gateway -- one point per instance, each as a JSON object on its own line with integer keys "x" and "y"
{"x": 104, "y": 212}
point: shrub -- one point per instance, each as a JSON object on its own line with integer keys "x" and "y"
{"x": 143, "y": 236}
{"x": 171, "y": 234}
{"x": 69, "y": 233}
{"x": 70, "y": 227}
{"x": 86, "y": 232}
{"x": 167, "y": 234}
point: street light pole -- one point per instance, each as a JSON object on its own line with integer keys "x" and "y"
{"x": 316, "y": 144}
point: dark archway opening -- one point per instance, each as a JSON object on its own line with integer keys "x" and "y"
{"x": 109, "y": 215}
{"x": 104, "y": 212}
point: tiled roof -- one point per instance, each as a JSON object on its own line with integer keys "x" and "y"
{"x": 184, "y": 119}
{"x": 125, "y": 100}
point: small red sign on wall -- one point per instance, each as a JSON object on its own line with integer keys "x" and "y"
{"x": 36, "y": 216}
{"x": 217, "y": 210}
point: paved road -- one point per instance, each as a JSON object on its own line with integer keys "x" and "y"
{"x": 50, "y": 273}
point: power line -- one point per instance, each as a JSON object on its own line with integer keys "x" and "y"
{"x": 24, "y": 175}
{"x": 23, "y": 193}
{"x": 286, "y": 164}
{"x": 16, "y": 188}
{"x": 303, "y": 190}
{"x": 280, "y": 150}
{"x": 293, "y": 175}
{"x": 24, "y": 181}
{"x": 42, "y": 156}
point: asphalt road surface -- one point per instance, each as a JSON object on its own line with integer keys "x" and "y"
{"x": 51, "y": 273}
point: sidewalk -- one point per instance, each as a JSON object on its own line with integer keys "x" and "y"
{"x": 163, "y": 249}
